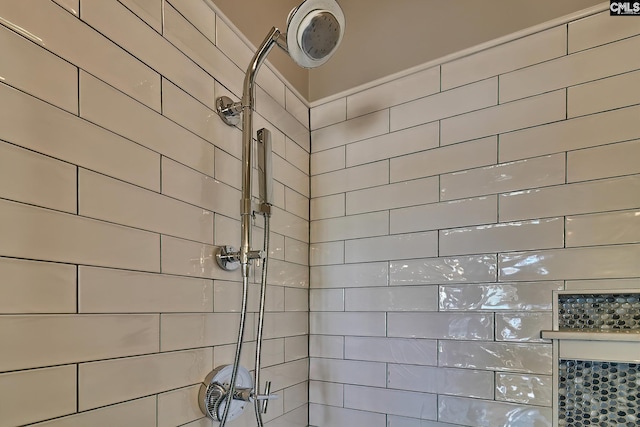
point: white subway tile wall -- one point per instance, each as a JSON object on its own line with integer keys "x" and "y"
{"x": 448, "y": 205}
{"x": 117, "y": 182}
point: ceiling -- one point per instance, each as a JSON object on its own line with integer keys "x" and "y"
{"x": 387, "y": 36}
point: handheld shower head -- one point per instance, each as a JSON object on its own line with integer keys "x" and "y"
{"x": 314, "y": 31}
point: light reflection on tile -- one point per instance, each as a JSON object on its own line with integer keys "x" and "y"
{"x": 522, "y": 327}
{"x": 502, "y": 357}
{"x": 474, "y": 268}
{"x": 476, "y": 412}
{"x": 530, "y": 389}
{"x": 503, "y": 296}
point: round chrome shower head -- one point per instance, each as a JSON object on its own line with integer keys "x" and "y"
{"x": 314, "y": 31}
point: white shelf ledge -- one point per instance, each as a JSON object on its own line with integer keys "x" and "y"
{"x": 593, "y": 335}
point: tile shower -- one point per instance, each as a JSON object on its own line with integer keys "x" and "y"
{"x": 446, "y": 206}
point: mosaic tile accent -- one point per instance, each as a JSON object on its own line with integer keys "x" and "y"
{"x": 603, "y": 394}
{"x": 603, "y": 311}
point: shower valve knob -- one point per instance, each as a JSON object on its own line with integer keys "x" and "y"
{"x": 228, "y": 258}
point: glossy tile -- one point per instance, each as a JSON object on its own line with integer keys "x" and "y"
{"x": 328, "y": 114}
{"x": 350, "y": 275}
{"x": 150, "y": 11}
{"x": 139, "y": 412}
{"x": 528, "y": 389}
{"x": 587, "y": 197}
{"x": 478, "y": 413}
{"x": 225, "y": 38}
{"x": 289, "y": 225}
{"x": 503, "y": 237}
{"x": 581, "y": 132}
{"x": 69, "y": 338}
{"x": 399, "y": 246}
{"x": 522, "y": 327}
{"x": 296, "y": 348}
{"x": 191, "y": 114}
{"x": 350, "y": 227}
{"x": 393, "y": 350}
{"x": 599, "y": 29}
{"x": 397, "y": 298}
{"x": 288, "y": 374}
{"x": 297, "y": 156}
{"x": 501, "y": 357}
{"x": 294, "y": 299}
{"x": 121, "y": 291}
{"x": 22, "y": 173}
{"x": 397, "y": 421}
{"x": 72, "y": 6}
{"x": 594, "y": 97}
{"x": 358, "y": 324}
{"x": 279, "y": 325}
{"x": 156, "y": 51}
{"x": 326, "y": 393}
{"x": 36, "y": 287}
{"x": 498, "y": 296}
{"x": 178, "y": 407}
{"x": 187, "y": 258}
{"x": 296, "y": 203}
{"x": 443, "y": 160}
{"x": 391, "y": 196}
{"x": 398, "y": 91}
{"x": 17, "y": 393}
{"x": 537, "y": 110}
{"x": 395, "y": 402}
{"x": 326, "y": 346}
{"x": 326, "y": 300}
{"x": 328, "y": 206}
{"x": 288, "y": 174}
{"x": 296, "y": 396}
{"x": 297, "y": 107}
{"x": 36, "y": 233}
{"x": 348, "y": 372}
{"x": 481, "y": 210}
{"x": 445, "y": 104}
{"x": 328, "y": 160}
{"x": 445, "y": 326}
{"x": 587, "y": 164}
{"x": 462, "y": 269}
{"x": 38, "y": 72}
{"x": 111, "y": 200}
{"x": 602, "y": 262}
{"x": 200, "y": 190}
{"x": 406, "y": 141}
{"x": 226, "y": 230}
{"x": 350, "y": 179}
{"x": 71, "y": 139}
{"x": 353, "y": 130}
{"x": 512, "y": 176}
{"x": 117, "y": 380}
{"x": 275, "y": 113}
{"x": 86, "y": 48}
{"x": 296, "y": 251}
{"x": 228, "y": 169}
{"x": 603, "y": 229}
{"x": 570, "y": 70}
{"x": 506, "y": 57}
{"x": 107, "y": 107}
{"x": 184, "y": 331}
{"x": 320, "y": 415}
{"x": 430, "y": 379}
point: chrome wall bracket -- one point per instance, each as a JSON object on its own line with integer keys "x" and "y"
{"x": 228, "y": 110}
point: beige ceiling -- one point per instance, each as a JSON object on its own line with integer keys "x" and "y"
{"x": 387, "y": 36}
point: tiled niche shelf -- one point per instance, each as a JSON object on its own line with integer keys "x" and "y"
{"x": 596, "y": 344}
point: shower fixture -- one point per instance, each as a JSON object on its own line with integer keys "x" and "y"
{"x": 314, "y": 31}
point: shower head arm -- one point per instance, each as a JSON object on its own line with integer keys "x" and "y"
{"x": 274, "y": 37}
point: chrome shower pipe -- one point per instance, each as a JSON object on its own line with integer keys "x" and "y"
{"x": 246, "y": 254}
